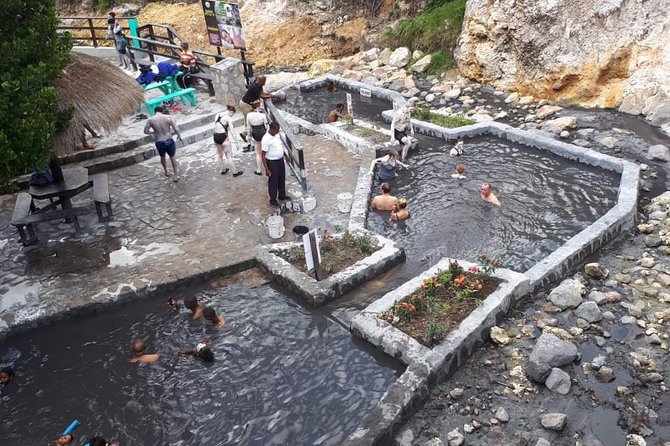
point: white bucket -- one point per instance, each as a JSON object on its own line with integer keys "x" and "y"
{"x": 275, "y": 224}
{"x": 344, "y": 202}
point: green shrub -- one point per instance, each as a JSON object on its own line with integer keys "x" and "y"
{"x": 434, "y": 332}
{"x": 437, "y": 28}
{"x": 424, "y": 114}
{"x": 33, "y": 55}
{"x": 440, "y": 62}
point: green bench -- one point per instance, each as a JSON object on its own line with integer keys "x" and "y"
{"x": 164, "y": 86}
{"x": 183, "y": 95}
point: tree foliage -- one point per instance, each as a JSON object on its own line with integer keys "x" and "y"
{"x": 33, "y": 55}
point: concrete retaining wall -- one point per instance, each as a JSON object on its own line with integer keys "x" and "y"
{"x": 317, "y": 293}
{"x": 425, "y": 365}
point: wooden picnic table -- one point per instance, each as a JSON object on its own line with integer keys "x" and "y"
{"x": 75, "y": 182}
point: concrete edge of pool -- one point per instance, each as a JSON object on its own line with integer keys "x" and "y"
{"x": 425, "y": 365}
{"x": 317, "y": 293}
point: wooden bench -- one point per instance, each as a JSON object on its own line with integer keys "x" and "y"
{"x": 183, "y": 95}
{"x": 23, "y": 219}
{"x": 24, "y": 204}
{"x": 101, "y": 197}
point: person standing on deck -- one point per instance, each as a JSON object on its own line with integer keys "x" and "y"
{"x": 223, "y": 131}
{"x": 159, "y": 126}
{"x": 257, "y": 128}
{"x": 273, "y": 160}
{"x": 254, "y": 93}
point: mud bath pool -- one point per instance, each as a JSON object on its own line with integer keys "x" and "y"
{"x": 545, "y": 200}
{"x": 283, "y": 374}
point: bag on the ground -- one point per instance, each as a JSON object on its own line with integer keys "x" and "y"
{"x": 41, "y": 178}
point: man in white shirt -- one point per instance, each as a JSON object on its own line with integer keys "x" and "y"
{"x": 401, "y": 124}
{"x": 273, "y": 160}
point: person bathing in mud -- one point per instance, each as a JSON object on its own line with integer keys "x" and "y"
{"x": 209, "y": 313}
{"x": 139, "y": 355}
{"x": 457, "y": 150}
{"x": 387, "y": 166}
{"x": 336, "y": 114}
{"x": 63, "y": 440}
{"x": 191, "y": 302}
{"x": 201, "y": 351}
{"x": 173, "y": 304}
{"x": 6, "y": 375}
{"x": 460, "y": 172}
{"x": 488, "y": 196}
{"x": 399, "y": 211}
{"x": 385, "y": 201}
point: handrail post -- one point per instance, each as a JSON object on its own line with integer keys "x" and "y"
{"x": 133, "y": 25}
{"x": 152, "y": 48}
{"x": 90, "y": 27}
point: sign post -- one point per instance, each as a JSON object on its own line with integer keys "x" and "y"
{"x": 310, "y": 242}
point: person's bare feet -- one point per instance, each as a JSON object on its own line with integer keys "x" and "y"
{"x": 88, "y": 146}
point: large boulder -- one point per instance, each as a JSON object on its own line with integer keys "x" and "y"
{"x": 321, "y": 66}
{"x": 568, "y": 294}
{"x": 556, "y": 126}
{"x": 421, "y": 65}
{"x": 384, "y": 56}
{"x": 400, "y": 57}
{"x": 659, "y": 152}
{"x": 547, "y": 110}
{"x": 549, "y": 351}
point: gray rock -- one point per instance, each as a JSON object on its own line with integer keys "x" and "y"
{"x": 558, "y": 381}
{"x": 400, "y": 57}
{"x": 547, "y": 110}
{"x": 598, "y": 361}
{"x": 600, "y": 297}
{"x": 659, "y": 152}
{"x": 589, "y": 311}
{"x": 501, "y": 415}
{"x": 568, "y": 294}
{"x": 549, "y": 351}
{"x": 652, "y": 241}
{"x": 421, "y": 65}
{"x": 556, "y": 126}
{"x": 452, "y": 94}
{"x": 627, "y": 320}
{"x": 434, "y": 442}
{"x": 653, "y": 377}
{"x": 596, "y": 270}
{"x": 455, "y": 438}
{"x": 635, "y": 440}
{"x": 456, "y": 393}
{"x": 632, "y": 309}
{"x": 553, "y": 421}
{"x": 608, "y": 141}
{"x": 542, "y": 442}
{"x": 605, "y": 374}
{"x": 499, "y": 336}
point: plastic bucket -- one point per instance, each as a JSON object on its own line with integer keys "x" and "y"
{"x": 344, "y": 202}
{"x": 299, "y": 231}
{"x": 275, "y": 224}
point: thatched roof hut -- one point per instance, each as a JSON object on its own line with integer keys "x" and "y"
{"x": 102, "y": 96}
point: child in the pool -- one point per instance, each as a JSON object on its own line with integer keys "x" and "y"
{"x": 460, "y": 171}
{"x": 6, "y": 375}
{"x": 209, "y": 313}
{"x": 201, "y": 351}
{"x": 191, "y": 302}
{"x": 457, "y": 150}
{"x": 399, "y": 211}
{"x": 63, "y": 440}
{"x": 172, "y": 303}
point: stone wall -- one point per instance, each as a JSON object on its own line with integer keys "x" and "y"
{"x": 605, "y": 53}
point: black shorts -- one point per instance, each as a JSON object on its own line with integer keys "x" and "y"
{"x": 257, "y": 132}
{"x": 399, "y": 135}
{"x": 220, "y": 138}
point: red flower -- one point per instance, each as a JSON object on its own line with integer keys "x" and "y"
{"x": 474, "y": 269}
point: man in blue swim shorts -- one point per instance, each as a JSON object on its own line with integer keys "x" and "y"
{"x": 159, "y": 126}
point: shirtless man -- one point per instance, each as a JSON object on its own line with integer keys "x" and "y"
{"x": 401, "y": 124}
{"x": 489, "y": 196}
{"x": 385, "y": 201}
{"x": 209, "y": 313}
{"x": 159, "y": 126}
{"x": 336, "y": 114}
{"x": 191, "y": 302}
{"x": 138, "y": 353}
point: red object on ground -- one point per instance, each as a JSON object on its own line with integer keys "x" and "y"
{"x": 177, "y": 108}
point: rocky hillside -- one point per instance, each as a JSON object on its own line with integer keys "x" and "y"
{"x": 605, "y": 53}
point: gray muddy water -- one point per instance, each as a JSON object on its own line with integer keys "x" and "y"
{"x": 283, "y": 375}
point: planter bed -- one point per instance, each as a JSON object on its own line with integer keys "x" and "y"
{"x": 272, "y": 258}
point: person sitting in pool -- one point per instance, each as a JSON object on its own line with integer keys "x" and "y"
{"x": 336, "y": 114}
{"x": 387, "y": 165}
{"x": 138, "y": 353}
{"x": 460, "y": 170}
{"x": 6, "y": 375}
{"x": 201, "y": 351}
{"x": 331, "y": 87}
{"x": 191, "y": 302}
{"x": 487, "y": 195}
{"x": 209, "y": 313}
{"x": 457, "y": 150}
{"x": 99, "y": 441}
{"x": 385, "y": 201}
{"x": 399, "y": 211}
{"x": 63, "y": 440}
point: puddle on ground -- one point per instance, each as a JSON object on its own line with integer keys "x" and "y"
{"x": 125, "y": 257}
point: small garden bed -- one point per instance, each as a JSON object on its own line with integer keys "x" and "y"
{"x": 337, "y": 253}
{"x": 424, "y": 114}
{"x": 443, "y": 301}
